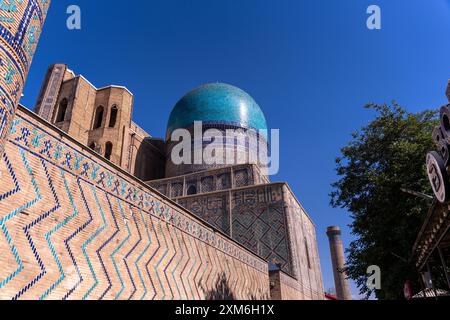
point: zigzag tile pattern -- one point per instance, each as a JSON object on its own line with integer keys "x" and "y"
{"x": 75, "y": 227}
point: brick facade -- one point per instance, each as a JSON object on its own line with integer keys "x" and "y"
{"x": 284, "y": 287}
{"x": 77, "y": 227}
{"x": 100, "y": 118}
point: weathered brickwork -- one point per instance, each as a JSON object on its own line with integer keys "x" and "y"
{"x": 74, "y": 226}
{"x": 303, "y": 243}
{"x": 20, "y": 27}
{"x": 100, "y": 118}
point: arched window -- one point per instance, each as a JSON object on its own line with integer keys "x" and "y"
{"x": 191, "y": 190}
{"x": 98, "y": 120}
{"x": 62, "y": 110}
{"x": 113, "y": 117}
{"x": 108, "y": 150}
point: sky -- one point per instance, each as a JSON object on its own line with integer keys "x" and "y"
{"x": 310, "y": 64}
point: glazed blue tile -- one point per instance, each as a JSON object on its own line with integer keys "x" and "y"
{"x": 217, "y": 103}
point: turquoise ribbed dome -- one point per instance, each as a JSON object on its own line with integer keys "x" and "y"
{"x": 217, "y": 103}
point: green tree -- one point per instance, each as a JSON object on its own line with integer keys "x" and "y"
{"x": 383, "y": 158}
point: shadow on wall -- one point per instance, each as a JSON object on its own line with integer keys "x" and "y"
{"x": 150, "y": 160}
{"x": 222, "y": 291}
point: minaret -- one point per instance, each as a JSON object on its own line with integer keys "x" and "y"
{"x": 20, "y": 27}
{"x": 338, "y": 259}
{"x": 48, "y": 96}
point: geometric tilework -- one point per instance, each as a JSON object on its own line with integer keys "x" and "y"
{"x": 21, "y": 23}
{"x": 268, "y": 220}
{"x": 72, "y": 227}
{"x": 261, "y": 227}
{"x": 214, "y": 209}
{"x": 258, "y": 220}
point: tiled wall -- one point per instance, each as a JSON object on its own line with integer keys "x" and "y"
{"x": 269, "y": 221}
{"x": 73, "y": 226}
{"x": 20, "y": 27}
{"x": 210, "y": 181}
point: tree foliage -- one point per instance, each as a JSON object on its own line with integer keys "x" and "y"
{"x": 383, "y": 158}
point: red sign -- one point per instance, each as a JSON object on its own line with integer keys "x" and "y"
{"x": 408, "y": 290}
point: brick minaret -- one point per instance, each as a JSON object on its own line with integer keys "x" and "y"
{"x": 21, "y": 24}
{"x": 338, "y": 259}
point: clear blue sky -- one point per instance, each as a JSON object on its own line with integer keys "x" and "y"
{"x": 310, "y": 64}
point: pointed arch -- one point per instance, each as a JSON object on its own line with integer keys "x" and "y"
{"x": 62, "y": 110}
{"x": 98, "y": 119}
{"x": 108, "y": 150}
{"x": 192, "y": 190}
{"x": 113, "y": 116}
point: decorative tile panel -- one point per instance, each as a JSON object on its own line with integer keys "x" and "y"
{"x": 21, "y": 22}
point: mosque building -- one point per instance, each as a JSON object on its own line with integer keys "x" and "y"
{"x": 94, "y": 207}
{"x": 238, "y": 200}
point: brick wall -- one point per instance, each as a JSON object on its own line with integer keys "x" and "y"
{"x": 305, "y": 252}
{"x": 74, "y": 226}
{"x": 284, "y": 287}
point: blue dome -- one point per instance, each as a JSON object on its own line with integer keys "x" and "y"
{"x": 217, "y": 103}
